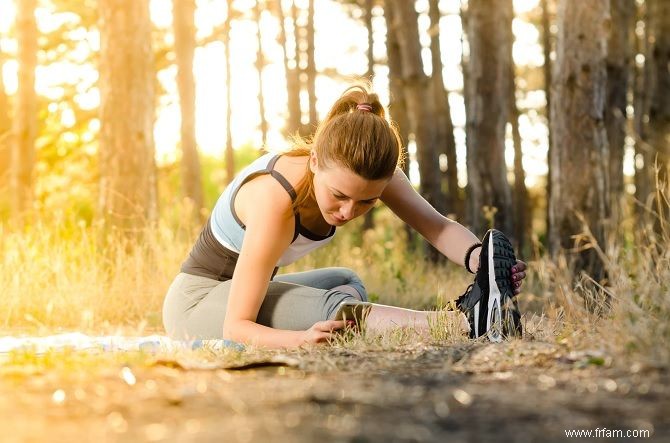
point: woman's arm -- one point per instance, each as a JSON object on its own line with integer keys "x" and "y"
{"x": 449, "y": 237}
{"x": 268, "y": 233}
{"x": 265, "y": 209}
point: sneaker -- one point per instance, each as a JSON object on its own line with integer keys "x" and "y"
{"x": 489, "y": 302}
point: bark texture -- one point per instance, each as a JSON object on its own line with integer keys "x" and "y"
{"x": 619, "y": 64}
{"x": 445, "y": 128}
{"x": 25, "y": 116}
{"x": 579, "y": 175}
{"x": 184, "y": 39}
{"x": 128, "y": 191}
{"x": 5, "y": 134}
{"x": 416, "y": 87}
{"x": 488, "y": 85}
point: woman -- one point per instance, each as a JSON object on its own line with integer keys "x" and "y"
{"x": 281, "y": 207}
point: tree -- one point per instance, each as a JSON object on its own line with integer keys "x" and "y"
{"x": 546, "y": 67}
{"x": 520, "y": 197}
{"x": 5, "y": 133}
{"x": 619, "y": 58}
{"x": 25, "y": 116}
{"x": 659, "y": 112}
{"x": 402, "y": 19}
{"x": 128, "y": 191}
{"x": 580, "y": 151}
{"x": 643, "y": 91}
{"x": 488, "y": 113}
{"x": 397, "y": 100}
{"x": 260, "y": 64}
{"x": 184, "y": 39}
{"x": 369, "y": 221}
{"x": 291, "y": 70}
{"x": 445, "y": 126}
{"x": 230, "y": 157}
{"x": 310, "y": 70}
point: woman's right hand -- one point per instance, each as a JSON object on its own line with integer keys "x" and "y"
{"x": 322, "y": 331}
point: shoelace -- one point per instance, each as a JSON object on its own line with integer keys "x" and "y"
{"x": 463, "y": 296}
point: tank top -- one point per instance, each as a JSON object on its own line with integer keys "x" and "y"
{"x": 217, "y": 248}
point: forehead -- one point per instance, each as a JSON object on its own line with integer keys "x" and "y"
{"x": 344, "y": 180}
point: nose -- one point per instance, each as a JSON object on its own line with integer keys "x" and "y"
{"x": 347, "y": 210}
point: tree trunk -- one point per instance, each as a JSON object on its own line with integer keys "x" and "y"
{"x": 5, "y": 137}
{"x": 417, "y": 96}
{"x": 128, "y": 199}
{"x": 488, "y": 114}
{"x": 445, "y": 126}
{"x": 520, "y": 196}
{"x": 659, "y": 113}
{"x": 369, "y": 221}
{"x": 260, "y": 65}
{"x": 310, "y": 71}
{"x": 546, "y": 67}
{"x": 292, "y": 67}
{"x": 184, "y": 39}
{"x": 25, "y": 117}
{"x": 579, "y": 174}
{"x": 397, "y": 101}
{"x": 619, "y": 58}
{"x": 644, "y": 89}
{"x": 230, "y": 158}
{"x": 292, "y": 84}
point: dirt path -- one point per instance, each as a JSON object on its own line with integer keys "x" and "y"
{"x": 518, "y": 391}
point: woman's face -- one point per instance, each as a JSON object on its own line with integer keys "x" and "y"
{"x": 341, "y": 194}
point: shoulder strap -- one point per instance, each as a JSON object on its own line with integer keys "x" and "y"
{"x": 280, "y": 178}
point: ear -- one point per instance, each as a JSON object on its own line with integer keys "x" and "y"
{"x": 313, "y": 162}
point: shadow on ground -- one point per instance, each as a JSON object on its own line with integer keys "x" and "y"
{"x": 517, "y": 391}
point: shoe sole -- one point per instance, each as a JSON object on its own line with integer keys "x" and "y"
{"x": 501, "y": 258}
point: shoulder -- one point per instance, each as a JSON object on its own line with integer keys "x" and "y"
{"x": 263, "y": 194}
{"x": 293, "y": 168}
{"x": 398, "y": 187}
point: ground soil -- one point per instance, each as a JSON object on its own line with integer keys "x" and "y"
{"x": 476, "y": 392}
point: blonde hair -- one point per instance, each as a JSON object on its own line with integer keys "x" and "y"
{"x": 360, "y": 139}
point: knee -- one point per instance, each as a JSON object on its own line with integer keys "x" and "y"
{"x": 350, "y": 278}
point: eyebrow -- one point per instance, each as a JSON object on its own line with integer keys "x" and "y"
{"x": 344, "y": 195}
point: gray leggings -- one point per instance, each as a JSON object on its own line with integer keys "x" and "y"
{"x": 194, "y": 307}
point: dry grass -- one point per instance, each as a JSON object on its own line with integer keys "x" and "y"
{"x": 58, "y": 275}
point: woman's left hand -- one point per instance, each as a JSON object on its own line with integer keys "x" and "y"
{"x": 518, "y": 274}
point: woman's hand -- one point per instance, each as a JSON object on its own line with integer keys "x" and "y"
{"x": 322, "y": 331}
{"x": 518, "y": 274}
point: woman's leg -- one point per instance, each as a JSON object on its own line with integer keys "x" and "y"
{"x": 381, "y": 318}
{"x": 195, "y": 307}
{"x": 333, "y": 278}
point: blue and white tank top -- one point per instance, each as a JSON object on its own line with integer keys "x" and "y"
{"x": 229, "y": 230}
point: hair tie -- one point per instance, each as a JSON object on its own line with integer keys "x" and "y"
{"x": 364, "y": 107}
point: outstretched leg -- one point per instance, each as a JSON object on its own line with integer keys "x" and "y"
{"x": 381, "y": 318}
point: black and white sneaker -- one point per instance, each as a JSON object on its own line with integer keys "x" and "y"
{"x": 489, "y": 302}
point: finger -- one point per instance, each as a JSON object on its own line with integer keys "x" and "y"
{"x": 323, "y": 338}
{"x": 331, "y": 325}
{"x": 518, "y": 276}
{"x": 519, "y": 266}
{"x": 517, "y": 291}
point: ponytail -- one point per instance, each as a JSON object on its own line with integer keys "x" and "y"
{"x": 355, "y": 135}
